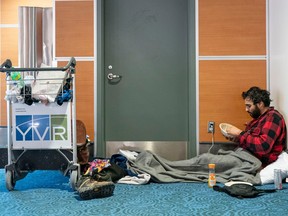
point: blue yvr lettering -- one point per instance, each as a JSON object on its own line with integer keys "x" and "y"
{"x": 41, "y": 128}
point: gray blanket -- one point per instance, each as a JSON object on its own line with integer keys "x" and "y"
{"x": 238, "y": 165}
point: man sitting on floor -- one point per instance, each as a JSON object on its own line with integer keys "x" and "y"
{"x": 259, "y": 146}
{"x": 265, "y": 136}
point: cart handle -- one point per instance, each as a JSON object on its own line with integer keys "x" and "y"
{"x": 6, "y": 67}
{"x": 6, "y": 64}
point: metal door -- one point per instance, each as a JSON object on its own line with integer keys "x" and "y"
{"x": 146, "y": 76}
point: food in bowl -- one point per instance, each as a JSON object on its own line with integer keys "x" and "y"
{"x": 223, "y": 128}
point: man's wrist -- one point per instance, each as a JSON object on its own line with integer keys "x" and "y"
{"x": 242, "y": 133}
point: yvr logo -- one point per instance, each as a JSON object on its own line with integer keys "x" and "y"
{"x": 41, "y": 128}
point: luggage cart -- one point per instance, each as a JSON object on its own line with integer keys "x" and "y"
{"x": 40, "y": 135}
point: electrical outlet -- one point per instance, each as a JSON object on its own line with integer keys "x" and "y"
{"x": 211, "y": 127}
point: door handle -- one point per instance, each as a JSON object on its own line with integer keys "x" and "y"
{"x": 112, "y": 76}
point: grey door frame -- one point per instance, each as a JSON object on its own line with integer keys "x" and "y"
{"x": 99, "y": 141}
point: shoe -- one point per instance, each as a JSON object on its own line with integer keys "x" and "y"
{"x": 102, "y": 176}
{"x": 88, "y": 188}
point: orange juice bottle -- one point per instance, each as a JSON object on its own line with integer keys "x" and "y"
{"x": 212, "y": 175}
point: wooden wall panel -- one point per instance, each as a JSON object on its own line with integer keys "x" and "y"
{"x": 9, "y": 45}
{"x": 75, "y": 37}
{"x": 84, "y": 93}
{"x": 74, "y": 28}
{"x": 221, "y": 84}
{"x": 9, "y": 50}
{"x": 3, "y": 111}
{"x": 232, "y": 27}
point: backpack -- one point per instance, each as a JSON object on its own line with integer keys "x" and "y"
{"x": 242, "y": 190}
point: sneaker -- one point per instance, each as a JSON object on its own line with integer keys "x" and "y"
{"x": 102, "y": 176}
{"x": 88, "y": 188}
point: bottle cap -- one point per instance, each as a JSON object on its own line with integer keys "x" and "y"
{"x": 211, "y": 166}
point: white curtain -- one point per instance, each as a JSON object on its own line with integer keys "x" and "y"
{"x": 35, "y": 36}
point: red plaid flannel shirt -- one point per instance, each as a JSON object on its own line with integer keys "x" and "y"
{"x": 265, "y": 137}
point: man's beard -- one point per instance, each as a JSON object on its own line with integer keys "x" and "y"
{"x": 256, "y": 113}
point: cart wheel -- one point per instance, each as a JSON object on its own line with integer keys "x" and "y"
{"x": 73, "y": 179}
{"x": 10, "y": 184}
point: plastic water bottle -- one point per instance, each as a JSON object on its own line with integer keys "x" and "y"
{"x": 212, "y": 175}
{"x": 16, "y": 76}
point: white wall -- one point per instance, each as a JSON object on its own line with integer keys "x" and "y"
{"x": 278, "y": 49}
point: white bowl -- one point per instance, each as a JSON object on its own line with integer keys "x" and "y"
{"x": 223, "y": 128}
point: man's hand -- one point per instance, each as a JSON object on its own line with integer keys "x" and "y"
{"x": 233, "y": 131}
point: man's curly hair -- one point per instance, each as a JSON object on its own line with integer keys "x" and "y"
{"x": 257, "y": 95}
